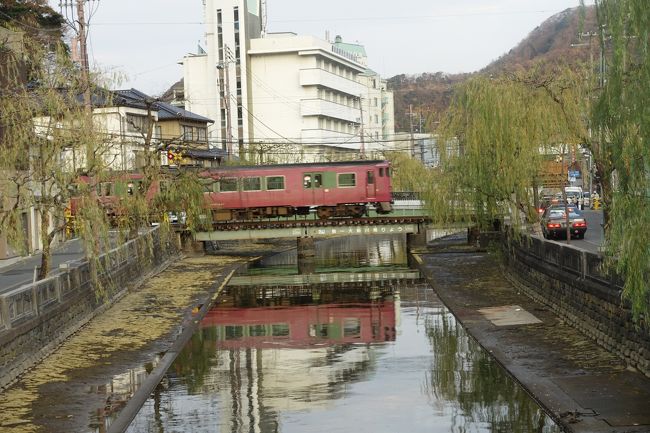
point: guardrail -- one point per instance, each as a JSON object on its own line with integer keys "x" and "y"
{"x": 31, "y": 300}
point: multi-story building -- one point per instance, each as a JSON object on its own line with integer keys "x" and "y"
{"x": 282, "y": 96}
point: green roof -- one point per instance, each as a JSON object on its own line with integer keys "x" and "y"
{"x": 350, "y": 48}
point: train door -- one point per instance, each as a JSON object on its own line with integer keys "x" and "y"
{"x": 313, "y": 190}
{"x": 371, "y": 184}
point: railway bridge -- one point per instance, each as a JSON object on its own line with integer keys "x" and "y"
{"x": 411, "y": 222}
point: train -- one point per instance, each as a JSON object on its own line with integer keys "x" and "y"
{"x": 346, "y": 189}
{"x": 332, "y": 190}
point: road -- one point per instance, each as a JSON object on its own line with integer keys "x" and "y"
{"x": 593, "y": 236}
{"x": 22, "y": 271}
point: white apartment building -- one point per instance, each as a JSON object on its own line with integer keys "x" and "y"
{"x": 284, "y": 97}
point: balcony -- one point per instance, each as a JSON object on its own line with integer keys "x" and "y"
{"x": 321, "y": 107}
{"x": 322, "y": 78}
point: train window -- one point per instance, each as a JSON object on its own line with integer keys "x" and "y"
{"x": 252, "y": 184}
{"x": 312, "y": 180}
{"x": 347, "y": 179}
{"x": 105, "y": 189}
{"x": 387, "y": 172}
{"x": 280, "y": 329}
{"x": 274, "y": 182}
{"x": 381, "y": 171}
{"x": 256, "y": 330}
{"x": 234, "y": 332}
{"x": 209, "y": 186}
{"x": 352, "y": 328}
{"x": 228, "y": 184}
{"x": 371, "y": 177}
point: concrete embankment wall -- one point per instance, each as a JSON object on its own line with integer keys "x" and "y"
{"x": 36, "y": 318}
{"x": 572, "y": 283}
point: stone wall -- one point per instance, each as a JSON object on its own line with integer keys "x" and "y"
{"x": 572, "y": 283}
{"x": 36, "y": 318}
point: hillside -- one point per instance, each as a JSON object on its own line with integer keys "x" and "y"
{"x": 555, "y": 39}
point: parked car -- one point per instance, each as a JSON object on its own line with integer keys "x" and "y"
{"x": 553, "y": 222}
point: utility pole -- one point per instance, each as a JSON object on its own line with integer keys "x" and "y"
{"x": 224, "y": 65}
{"x": 76, "y": 19}
{"x": 411, "y": 129}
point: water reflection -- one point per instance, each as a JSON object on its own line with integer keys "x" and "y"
{"x": 462, "y": 372}
{"x": 349, "y": 252}
{"x": 380, "y": 354}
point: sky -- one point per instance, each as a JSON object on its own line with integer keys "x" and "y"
{"x": 142, "y": 41}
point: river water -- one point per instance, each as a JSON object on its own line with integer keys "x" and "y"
{"x": 364, "y": 345}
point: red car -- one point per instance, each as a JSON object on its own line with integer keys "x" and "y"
{"x": 334, "y": 189}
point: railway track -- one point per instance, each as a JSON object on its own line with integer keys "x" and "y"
{"x": 342, "y": 222}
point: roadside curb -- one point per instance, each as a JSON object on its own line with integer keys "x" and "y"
{"x": 541, "y": 388}
{"x": 189, "y": 325}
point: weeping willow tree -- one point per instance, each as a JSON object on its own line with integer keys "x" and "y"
{"x": 502, "y": 129}
{"x": 621, "y": 118}
{"x": 43, "y": 123}
{"x": 152, "y": 193}
{"x": 409, "y": 174}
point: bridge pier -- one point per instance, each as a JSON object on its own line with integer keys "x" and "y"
{"x": 306, "y": 252}
{"x": 416, "y": 240}
{"x": 187, "y": 243}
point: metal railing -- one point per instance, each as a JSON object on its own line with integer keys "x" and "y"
{"x": 31, "y": 300}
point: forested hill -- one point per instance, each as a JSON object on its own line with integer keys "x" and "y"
{"x": 555, "y": 39}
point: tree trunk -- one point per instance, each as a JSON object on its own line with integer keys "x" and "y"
{"x": 46, "y": 256}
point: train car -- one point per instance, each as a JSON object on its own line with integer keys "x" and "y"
{"x": 110, "y": 192}
{"x": 332, "y": 190}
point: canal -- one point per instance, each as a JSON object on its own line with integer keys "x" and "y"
{"x": 363, "y": 345}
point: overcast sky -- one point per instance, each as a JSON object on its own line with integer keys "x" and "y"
{"x": 145, "y": 39}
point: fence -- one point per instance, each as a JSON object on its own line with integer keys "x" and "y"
{"x": 29, "y": 301}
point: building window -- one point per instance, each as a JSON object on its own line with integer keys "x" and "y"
{"x": 236, "y": 24}
{"x": 240, "y": 116}
{"x": 187, "y": 133}
{"x": 136, "y": 123}
{"x": 202, "y": 134}
{"x": 375, "y": 102}
{"x": 220, "y": 34}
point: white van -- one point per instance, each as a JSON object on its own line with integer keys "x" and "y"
{"x": 573, "y": 194}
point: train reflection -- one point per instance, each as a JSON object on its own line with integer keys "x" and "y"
{"x": 302, "y": 326}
